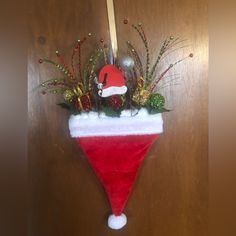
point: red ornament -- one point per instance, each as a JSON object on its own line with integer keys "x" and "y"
{"x": 115, "y": 102}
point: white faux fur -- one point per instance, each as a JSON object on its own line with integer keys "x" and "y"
{"x": 117, "y": 222}
{"x": 94, "y": 124}
{"x": 113, "y": 90}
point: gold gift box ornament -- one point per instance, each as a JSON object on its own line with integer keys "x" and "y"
{"x": 81, "y": 99}
{"x": 140, "y": 95}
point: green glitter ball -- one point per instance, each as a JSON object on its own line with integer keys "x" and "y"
{"x": 156, "y": 101}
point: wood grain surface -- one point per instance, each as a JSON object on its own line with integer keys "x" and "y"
{"x": 170, "y": 195}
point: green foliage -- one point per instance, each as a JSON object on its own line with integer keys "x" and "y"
{"x": 110, "y": 112}
{"x": 155, "y": 111}
{"x": 64, "y": 105}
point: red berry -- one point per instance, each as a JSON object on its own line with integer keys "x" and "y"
{"x": 115, "y": 102}
{"x": 126, "y": 21}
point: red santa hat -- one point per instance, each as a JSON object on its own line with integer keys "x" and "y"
{"x": 111, "y": 81}
{"x": 115, "y": 148}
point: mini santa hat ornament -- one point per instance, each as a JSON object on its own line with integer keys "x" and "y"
{"x": 115, "y": 149}
{"x": 111, "y": 81}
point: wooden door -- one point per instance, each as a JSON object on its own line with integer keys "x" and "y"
{"x": 170, "y": 195}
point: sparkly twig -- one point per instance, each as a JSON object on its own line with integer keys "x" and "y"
{"x": 172, "y": 51}
{"x": 79, "y": 57}
{"x": 142, "y": 35}
{"x": 64, "y": 66}
{"x": 136, "y": 57}
{"x": 167, "y": 85}
{"x": 163, "y": 49}
{"x": 90, "y": 67}
{"x": 104, "y": 54}
{"x": 79, "y": 63}
{"x": 176, "y": 42}
{"x": 57, "y": 90}
{"x": 170, "y": 81}
{"x": 161, "y": 76}
{"x": 168, "y": 68}
{"x": 72, "y": 57}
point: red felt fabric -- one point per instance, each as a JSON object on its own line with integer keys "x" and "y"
{"x": 116, "y": 161}
{"x": 115, "y": 76}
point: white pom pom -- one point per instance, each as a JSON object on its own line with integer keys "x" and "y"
{"x": 117, "y": 222}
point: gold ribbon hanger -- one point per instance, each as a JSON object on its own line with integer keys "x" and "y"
{"x": 112, "y": 28}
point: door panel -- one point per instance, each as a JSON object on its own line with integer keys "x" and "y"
{"x": 170, "y": 194}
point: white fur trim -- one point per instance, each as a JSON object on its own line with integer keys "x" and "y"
{"x": 100, "y": 85}
{"x": 117, "y": 222}
{"x": 91, "y": 124}
{"x": 113, "y": 90}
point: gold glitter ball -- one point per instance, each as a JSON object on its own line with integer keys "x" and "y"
{"x": 68, "y": 95}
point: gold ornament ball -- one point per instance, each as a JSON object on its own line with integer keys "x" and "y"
{"x": 68, "y": 95}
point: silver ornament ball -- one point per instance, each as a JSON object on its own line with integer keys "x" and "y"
{"x": 127, "y": 63}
